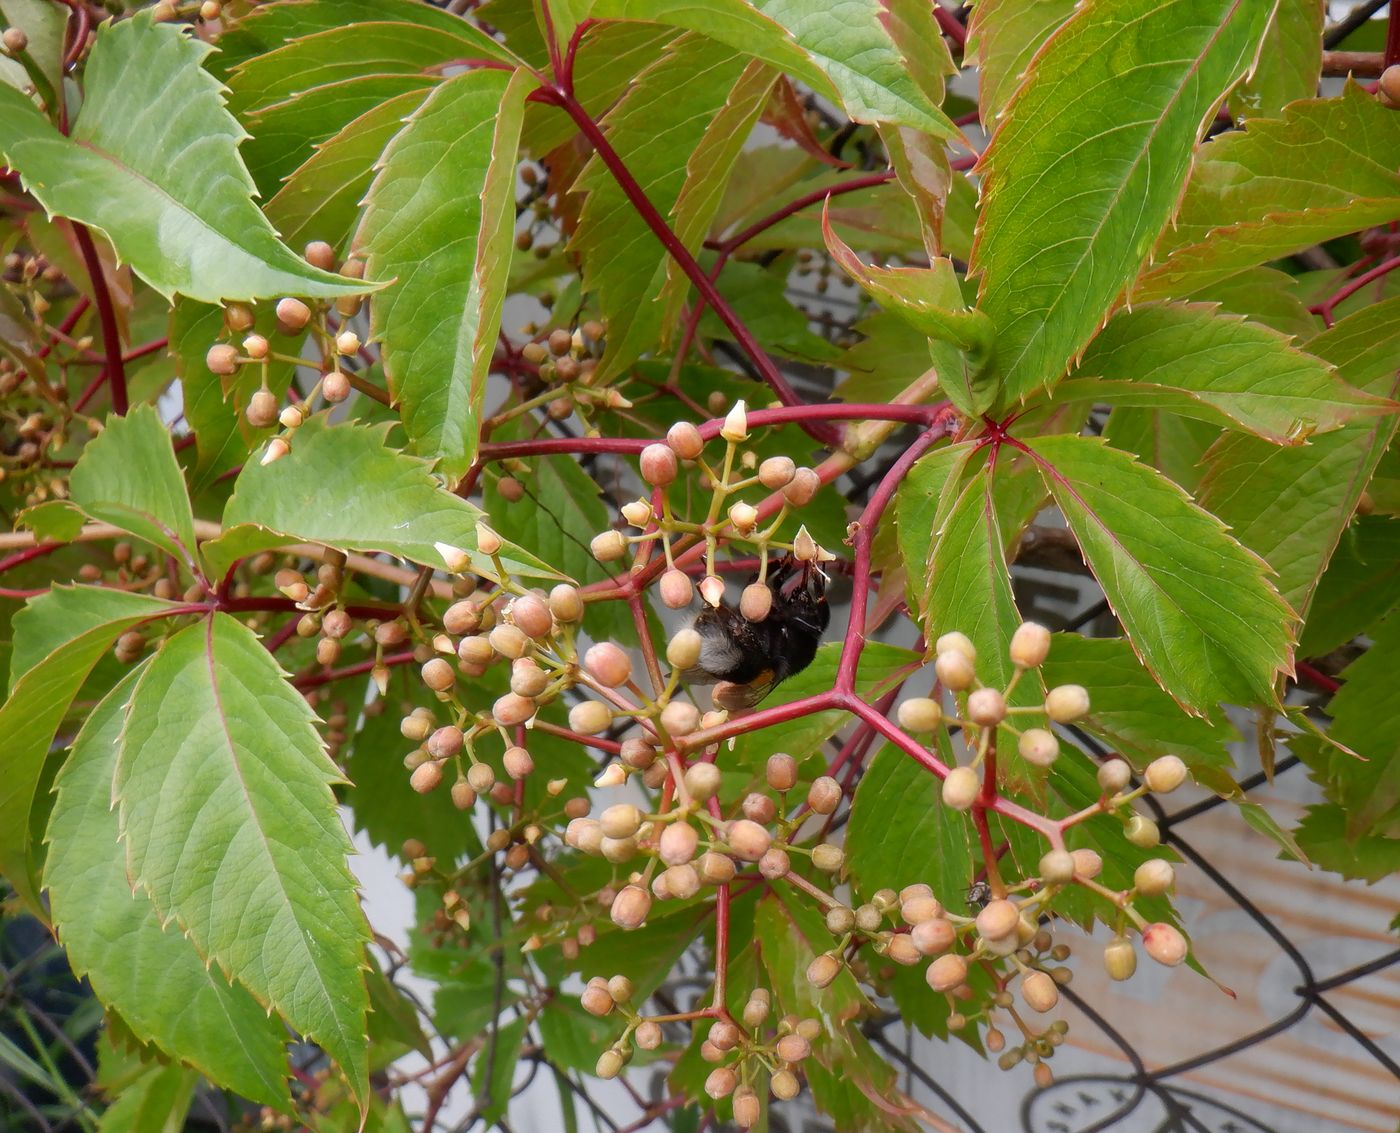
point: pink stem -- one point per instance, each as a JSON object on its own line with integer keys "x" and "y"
{"x": 1326, "y": 307}
{"x": 111, "y": 337}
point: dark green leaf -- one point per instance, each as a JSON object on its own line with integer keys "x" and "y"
{"x": 220, "y": 764}
{"x": 1196, "y": 606}
{"x": 1361, "y": 585}
{"x": 1169, "y": 442}
{"x": 153, "y": 977}
{"x": 1369, "y": 858}
{"x": 439, "y": 221}
{"x": 1052, "y": 262}
{"x": 170, "y": 191}
{"x": 1289, "y": 63}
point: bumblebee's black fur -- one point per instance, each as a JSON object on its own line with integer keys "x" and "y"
{"x": 760, "y": 655}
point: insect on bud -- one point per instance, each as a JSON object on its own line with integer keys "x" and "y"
{"x": 676, "y": 589}
{"x": 920, "y": 714}
{"x": 1066, "y": 703}
{"x": 736, "y": 424}
{"x": 658, "y": 465}
{"x": 608, "y": 546}
{"x": 1154, "y": 877}
{"x": 684, "y": 440}
{"x": 292, "y": 315}
{"x": 262, "y": 409}
{"x": 947, "y": 972}
{"x": 756, "y": 601}
{"x": 222, "y": 358}
{"x": 1030, "y": 645}
{"x": 712, "y": 589}
{"x": 954, "y": 670}
{"x": 1164, "y": 944}
{"x": 1038, "y": 747}
{"x": 1164, "y": 774}
{"x": 960, "y": 788}
{"x": 683, "y": 650}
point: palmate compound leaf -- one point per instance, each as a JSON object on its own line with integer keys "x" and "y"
{"x": 438, "y": 221}
{"x": 128, "y": 476}
{"x": 230, "y": 827}
{"x": 1325, "y": 169}
{"x": 1188, "y": 358}
{"x": 168, "y": 189}
{"x": 152, "y": 977}
{"x": 59, "y": 637}
{"x": 1291, "y": 506}
{"x": 1198, "y": 608}
{"x": 390, "y": 504}
{"x": 842, "y": 49}
{"x": 1086, "y": 167}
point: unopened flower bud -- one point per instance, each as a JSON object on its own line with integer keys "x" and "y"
{"x": 589, "y": 717}
{"x": 1142, "y": 832}
{"x": 1067, "y": 703}
{"x": 630, "y": 907}
{"x": 608, "y": 664}
{"x": 756, "y": 601}
{"x": 487, "y": 541}
{"x": 425, "y": 777}
{"x": 736, "y": 424}
{"x": 1087, "y": 863}
{"x": 986, "y": 707}
{"x": 1154, "y": 877}
{"x": 1120, "y": 958}
{"x": 222, "y": 358}
{"x": 805, "y": 484}
{"x": 712, "y": 589}
{"x": 1164, "y": 774}
{"x": 566, "y": 603}
{"x": 262, "y": 409}
{"x": 743, "y": 516}
{"x": 947, "y": 972}
{"x": 954, "y": 670}
{"x": 608, "y": 546}
{"x": 1114, "y": 776}
{"x": 1164, "y": 944}
{"x": 1038, "y": 747}
{"x": 1057, "y": 867}
{"x": 827, "y": 857}
{"x": 934, "y": 936}
{"x": 823, "y": 969}
{"x": 292, "y": 314}
{"x": 680, "y": 718}
{"x": 748, "y": 840}
{"x": 920, "y": 714}
{"x": 638, "y": 512}
{"x": 676, "y": 589}
{"x": 658, "y": 465}
{"x": 1039, "y": 991}
{"x": 998, "y": 919}
{"x": 824, "y": 795}
{"x": 1030, "y": 645}
{"x": 684, "y": 440}
{"x": 781, "y": 771}
{"x": 960, "y": 788}
{"x": 702, "y": 781}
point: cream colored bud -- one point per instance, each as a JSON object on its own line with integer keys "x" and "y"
{"x": 986, "y": 707}
{"x": 920, "y": 714}
{"x": 630, "y": 907}
{"x": 1067, "y": 703}
{"x": 1164, "y": 774}
{"x": 608, "y": 546}
{"x": 1038, "y": 747}
{"x": 1057, "y": 867}
{"x": 712, "y": 589}
{"x": 1154, "y": 877}
{"x": 658, "y": 465}
{"x": 947, "y": 972}
{"x": 454, "y": 558}
{"x": 1039, "y": 992}
{"x": 1087, "y": 863}
{"x": 1030, "y": 645}
{"x": 756, "y": 601}
{"x": 638, "y": 512}
{"x": 736, "y": 424}
{"x": 347, "y": 342}
{"x": 487, "y": 541}
{"x": 589, "y": 717}
{"x": 1114, "y": 776}
{"x": 961, "y": 788}
{"x": 676, "y": 589}
{"x": 684, "y": 440}
{"x": 955, "y": 643}
{"x": 955, "y": 671}
{"x": 743, "y": 516}
{"x": 998, "y": 919}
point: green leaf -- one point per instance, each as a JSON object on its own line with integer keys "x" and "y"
{"x": 1075, "y": 190}
{"x": 1266, "y": 295}
{"x": 1366, "y": 718}
{"x": 1187, "y": 358}
{"x": 1289, "y": 64}
{"x": 1168, "y": 442}
{"x": 760, "y": 298}
{"x": 1291, "y": 506}
{"x": 842, "y": 50}
{"x": 44, "y": 22}
{"x": 708, "y": 169}
{"x": 1360, "y": 586}
{"x": 157, "y": 1102}
{"x": 439, "y": 221}
{"x": 58, "y": 639}
{"x": 169, "y": 190}
{"x": 394, "y": 1028}
{"x": 128, "y": 477}
{"x": 495, "y": 1066}
{"x": 1129, "y": 712}
{"x": 321, "y": 200}
{"x": 285, "y": 135}
{"x": 391, "y": 504}
{"x": 1005, "y": 35}
{"x": 1196, "y": 606}
{"x": 153, "y": 978}
{"x": 901, "y": 834}
{"x": 59, "y": 520}
{"x": 1370, "y": 858}
{"x": 1325, "y": 169}
{"x": 378, "y": 46}
{"x": 220, "y": 764}
{"x": 664, "y": 117}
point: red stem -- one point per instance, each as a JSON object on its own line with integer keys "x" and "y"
{"x": 681, "y": 254}
{"x": 69, "y": 322}
{"x": 111, "y": 338}
{"x": 950, "y": 25}
{"x": 1392, "y": 34}
{"x": 35, "y": 552}
{"x": 1317, "y": 678}
{"x": 1326, "y": 307}
{"x": 731, "y": 243}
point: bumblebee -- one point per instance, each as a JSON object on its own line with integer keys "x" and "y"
{"x": 748, "y": 660}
